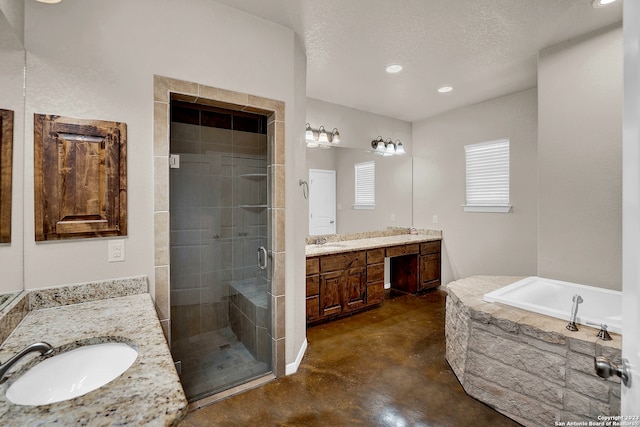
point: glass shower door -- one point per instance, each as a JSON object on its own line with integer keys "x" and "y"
{"x": 220, "y": 304}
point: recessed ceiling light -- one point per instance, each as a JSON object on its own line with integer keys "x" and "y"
{"x": 49, "y": 1}
{"x": 394, "y": 68}
{"x": 445, "y": 89}
{"x": 602, "y": 3}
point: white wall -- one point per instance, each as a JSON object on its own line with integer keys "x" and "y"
{"x": 580, "y": 160}
{"x": 11, "y": 98}
{"x": 96, "y": 59}
{"x": 479, "y": 243}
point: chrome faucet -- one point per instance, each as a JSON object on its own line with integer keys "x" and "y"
{"x": 321, "y": 241}
{"x": 44, "y": 349}
{"x": 577, "y": 299}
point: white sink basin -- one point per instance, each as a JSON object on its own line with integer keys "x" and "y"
{"x": 72, "y": 374}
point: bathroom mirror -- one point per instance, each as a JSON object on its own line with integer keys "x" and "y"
{"x": 12, "y": 63}
{"x": 393, "y": 188}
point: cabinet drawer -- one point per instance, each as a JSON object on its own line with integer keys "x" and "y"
{"x": 430, "y": 247}
{"x": 313, "y": 265}
{"x": 313, "y": 285}
{"x": 403, "y": 250}
{"x": 375, "y": 256}
{"x": 343, "y": 261}
{"x": 375, "y": 273}
{"x": 313, "y": 308}
{"x": 375, "y": 293}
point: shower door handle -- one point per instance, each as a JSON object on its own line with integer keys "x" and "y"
{"x": 262, "y": 258}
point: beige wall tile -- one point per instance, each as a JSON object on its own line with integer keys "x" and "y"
{"x": 161, "y": 184}
{"x": 279, "y": 144}
{"x": 160, "y": 129}
{"x": 266, "y": 105}
{"x": 163, "y": 85}
{"x": 161, "y": 232}
{"x": 162, "y": 292}
{"x": 278, "y": 273}
{"x": 237, "y": 100}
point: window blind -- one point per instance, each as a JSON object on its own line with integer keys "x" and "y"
{"x": 365, "y": 197}
{"x": 487, "y": 168}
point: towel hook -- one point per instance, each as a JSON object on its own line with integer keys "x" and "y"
{"x": 305, "y": 188}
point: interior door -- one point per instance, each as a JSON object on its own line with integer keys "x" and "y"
{"x": 631, "y": 208}
{"x": 322, "y": 202}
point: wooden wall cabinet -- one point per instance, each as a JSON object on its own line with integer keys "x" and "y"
{"x": 6, "y": 173}
{"x": 80, "y": 178}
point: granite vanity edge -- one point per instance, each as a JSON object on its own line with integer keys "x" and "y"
{"x": 368, "y": 243}
{"x": 470, "y": 292}
{"x": 391, "y": 231}
{"x": 88, "y": 291}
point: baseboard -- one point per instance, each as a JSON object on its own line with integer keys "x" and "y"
{"x": 292, "y": 368}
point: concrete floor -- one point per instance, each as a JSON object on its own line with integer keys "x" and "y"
{"x": 383, "y": 367}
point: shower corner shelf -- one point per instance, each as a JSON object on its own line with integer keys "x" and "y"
{"x": 253, "y": 206}
{"x": 253, "y": 175}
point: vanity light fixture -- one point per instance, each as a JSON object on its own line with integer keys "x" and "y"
{"x": 323, "y": 138}
{"x": 388, "y": 147}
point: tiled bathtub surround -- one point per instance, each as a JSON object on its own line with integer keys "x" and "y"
{"x": 149, "y": 393}
{"x": 526, "y": 365}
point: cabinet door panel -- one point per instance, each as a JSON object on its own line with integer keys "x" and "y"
{"x": 375, "y": 293}
{"x": 429, "y": 271}
{"x": 313, "y": 308}
{"x": 355, "y": 288}
{"x": 331, "y": 290}
{"x": 313, "y": 285}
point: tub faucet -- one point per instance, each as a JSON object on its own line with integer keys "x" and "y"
{"x": 577, "y": 299}
{"x": 44, "y": 349}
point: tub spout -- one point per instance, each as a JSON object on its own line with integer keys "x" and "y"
{"x": 577, "y": 299}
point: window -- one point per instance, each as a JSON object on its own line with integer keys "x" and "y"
{"x": 487, "y": 177}
{"x": 365, "y": 185}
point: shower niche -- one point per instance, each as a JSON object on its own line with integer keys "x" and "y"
{"x": 219, "y": 235}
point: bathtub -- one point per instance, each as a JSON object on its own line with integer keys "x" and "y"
{"x": 554, "y": 298}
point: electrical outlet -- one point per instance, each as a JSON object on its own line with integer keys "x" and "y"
{"x": 393, "y": 217}
{"x": 435, "y": 219}
{"x": 116, "y": 250}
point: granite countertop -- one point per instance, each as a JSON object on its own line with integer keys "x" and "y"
{"x": 148, "y": 393}
{"x": 368, "y": 243}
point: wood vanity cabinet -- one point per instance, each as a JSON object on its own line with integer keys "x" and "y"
{"x": 344, "y": 283}
{"x": 429, "y": 263}
{"x": 337, "y": 285}
{"x": 415, "y": 268}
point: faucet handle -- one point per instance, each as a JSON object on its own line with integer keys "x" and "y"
{"x": 602, "y": 334}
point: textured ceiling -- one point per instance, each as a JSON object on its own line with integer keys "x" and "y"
{"x": 484, "y": 49}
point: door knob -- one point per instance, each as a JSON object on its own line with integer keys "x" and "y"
{"x": 605, "y": 368}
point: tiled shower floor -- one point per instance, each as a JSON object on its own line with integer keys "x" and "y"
{"x": 213, "y": 362}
